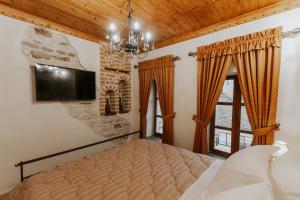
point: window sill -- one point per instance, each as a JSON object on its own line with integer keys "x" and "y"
{"x": 123, "y": 112}
{"x": 108, "y": 114}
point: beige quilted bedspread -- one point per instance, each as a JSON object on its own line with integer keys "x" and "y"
{"x": 139, "y": 170}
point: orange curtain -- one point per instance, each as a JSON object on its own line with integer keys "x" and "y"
{"x": 162, "y": 71}
{"x": 213, "y": 65}
{"x": 145, "y": 79}
{"x": 257, "y": 60}
{"x": 164, "y": 75}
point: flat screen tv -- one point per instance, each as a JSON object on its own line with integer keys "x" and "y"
{"x": 59, "y": 83}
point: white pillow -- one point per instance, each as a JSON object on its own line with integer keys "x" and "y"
{"x": 246, "y": 167}
{"x": 259, "y": 191}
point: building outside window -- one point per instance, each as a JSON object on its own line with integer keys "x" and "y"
{"x": 230, "y": 129}
{"x": 158, "y": 120}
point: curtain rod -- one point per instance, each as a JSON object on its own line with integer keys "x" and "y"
{"x": 288, "y": 34}
{"x": 176, "y": 58}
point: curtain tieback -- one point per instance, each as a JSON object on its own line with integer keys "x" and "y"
{"x": 166, "y": 117}
{"x": 265, "y": 130}
{"x": 201, "y": 123}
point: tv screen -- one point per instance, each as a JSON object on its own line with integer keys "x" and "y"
{"x": 59, "y": 83}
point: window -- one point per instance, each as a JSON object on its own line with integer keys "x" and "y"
{"x": 158, "y": 120}
{"x": 230, "y": 130}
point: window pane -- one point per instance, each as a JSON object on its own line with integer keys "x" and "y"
{"x": 227, "y": 92}
{"x": 245, "y": 140}
{"x": 245, "y": 125}
{"x": 224, "y": 116}
{"x": 158, "y": 111}
{"x": 159, "y": 125}
{"x": 222, "y": 140}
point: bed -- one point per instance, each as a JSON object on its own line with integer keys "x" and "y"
{"x": 139, "y": 170}
{"x": 147, "y": 170}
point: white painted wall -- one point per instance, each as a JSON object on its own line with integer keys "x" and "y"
{"x": 27, "y": 129}
{"x": 289, "y": 91}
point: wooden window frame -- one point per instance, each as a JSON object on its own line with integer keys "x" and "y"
{"x": 155, "y": 113}
{"x": 236, "y": 121}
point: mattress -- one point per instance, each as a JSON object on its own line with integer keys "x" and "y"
{"x": 139, "y": 170}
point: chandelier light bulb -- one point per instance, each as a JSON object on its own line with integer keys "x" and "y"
{"x": 148, "y": 36}
{"x": 116, "y": 38}
{"x": 112, "y": 27}
{"x": 136, "y": 26}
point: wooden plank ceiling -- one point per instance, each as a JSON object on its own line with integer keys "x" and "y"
{"x": 171, "y": 21}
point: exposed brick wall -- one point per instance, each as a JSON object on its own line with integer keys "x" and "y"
{"x": 115, "y": 77}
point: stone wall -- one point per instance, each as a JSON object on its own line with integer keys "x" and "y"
{"x": 42, "y": 46}
{"x": 46, "y": 47}
{"x": 115, "y": 78}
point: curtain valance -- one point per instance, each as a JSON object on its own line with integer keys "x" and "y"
{"x": 165, "y": 61}
{"x": 255, "y": 41}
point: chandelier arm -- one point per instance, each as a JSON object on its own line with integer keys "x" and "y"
{"x": 144, "y": 53}
{"x": 117, "y": 49}
{"x": 123, "y": 41}
{"x": 119, "y": 46}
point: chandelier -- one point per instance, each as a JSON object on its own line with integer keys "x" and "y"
{"x": 137, "y": 42}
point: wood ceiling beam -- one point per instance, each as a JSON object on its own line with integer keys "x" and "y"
{"x": 17, "y": 14}
{"x": 253, "y": 15}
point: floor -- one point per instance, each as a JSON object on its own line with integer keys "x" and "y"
{"x": 154, "y": 138}
{"x": 158, "y": 139}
